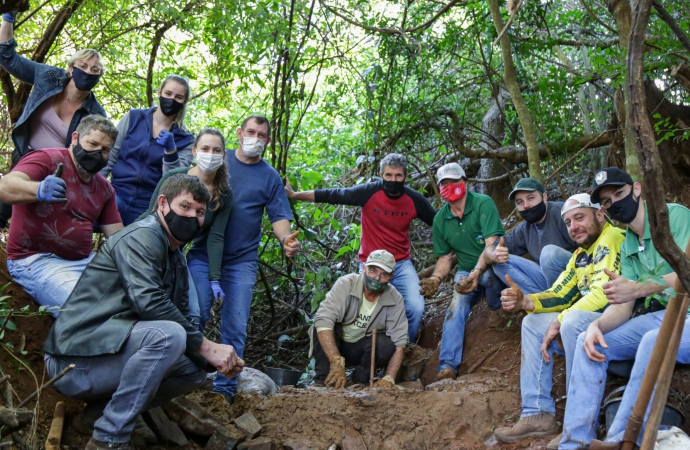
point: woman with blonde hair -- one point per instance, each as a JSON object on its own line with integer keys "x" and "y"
{"x": 56, "y": 105}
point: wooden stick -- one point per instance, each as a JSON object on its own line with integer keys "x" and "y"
{"x": 47, "y": 385}
{"x": 373, "y": 359}
{"x": 664, "y": 381}
{"x": 55, "y": 433}
{"x": 484, "y": 358}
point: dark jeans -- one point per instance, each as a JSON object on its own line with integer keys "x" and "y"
{"x": 356, "y": 354}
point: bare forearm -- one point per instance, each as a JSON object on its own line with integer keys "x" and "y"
{"x": 15, "y": 191}
{"x": 327, "y": 341}
{"x": 614, "y": 316}
{"x": 281, "y": 229}
{"x": 6, "y": 31}
{"x": 304, "y": 196}
{"x": 396, "y": 362}
{"x": 443, "y": 266}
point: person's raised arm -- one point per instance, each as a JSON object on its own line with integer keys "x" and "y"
{"x": 7, "y": 27}
{"x": 304, "y": 196}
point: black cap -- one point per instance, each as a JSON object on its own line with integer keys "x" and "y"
{"x": 611, "y": 176}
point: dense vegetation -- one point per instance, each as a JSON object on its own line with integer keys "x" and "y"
{"x": 346, "y": 81}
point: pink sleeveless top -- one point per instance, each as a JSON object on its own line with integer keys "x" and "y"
{"x": 47, "y": 129}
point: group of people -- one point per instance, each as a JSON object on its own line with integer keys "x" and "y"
{"x": 131, "y": 316}
{"x": 585, "y": 289}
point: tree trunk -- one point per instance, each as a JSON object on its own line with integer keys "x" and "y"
{"x": 620, "y": 9}
{"x": 645, "y": 144}
{"x": 524, "y": 115}
{"x": 494, "y": 125}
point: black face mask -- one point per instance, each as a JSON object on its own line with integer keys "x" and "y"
{"x": 184, "y": 229}
{"x": 84, "y": 81}
{"x": 91, "y": 161}
{"x": 535, "y": 213}
{"x": 169, "y": 106}
{"x": 393, "y": 188}
{"x": 625, "y": 209}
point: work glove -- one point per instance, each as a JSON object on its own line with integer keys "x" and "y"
{"x": 336, "y": 376}
{"x": 52, "y": 190}
{"x": 385, "y": 382}
{"x": 166, "y": 140}
{"x": 217, "y": 291}
{"x": 429, "y": 286}
{"x": 10, "y": 16}
{"x": 467, "y": 284}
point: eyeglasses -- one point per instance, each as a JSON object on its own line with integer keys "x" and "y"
{"x": 93, "y": 70}
{"x": 379, "y": 274}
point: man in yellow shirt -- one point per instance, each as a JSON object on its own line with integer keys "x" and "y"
{"x": 355, "y": 306}
{"x": 575, "y": 300}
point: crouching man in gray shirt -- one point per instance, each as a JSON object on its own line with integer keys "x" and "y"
{"x": 125, "y": 326}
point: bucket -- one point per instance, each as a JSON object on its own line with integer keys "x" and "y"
{"x": 672, "y": 416}
{"x": 283, "y": 377}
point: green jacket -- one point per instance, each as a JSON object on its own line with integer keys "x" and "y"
{"x": 136, "y": 276}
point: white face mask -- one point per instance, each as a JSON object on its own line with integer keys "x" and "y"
{"x": 208, "y": 162}
{"x": 252, "y": 147}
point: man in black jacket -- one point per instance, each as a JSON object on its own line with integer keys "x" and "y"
{"x": 125, "y": 325}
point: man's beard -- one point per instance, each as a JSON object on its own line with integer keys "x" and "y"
{"x": 593, "y": 233}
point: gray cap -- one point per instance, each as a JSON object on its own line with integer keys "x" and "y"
{"x": 382, "y": 259}
{"x": 451, "y": 171}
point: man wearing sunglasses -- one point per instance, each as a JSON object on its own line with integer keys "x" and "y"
{"x": 357, "y": 305}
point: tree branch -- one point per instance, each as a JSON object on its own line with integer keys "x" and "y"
{"x": 597, "y": 19}
{"x": 671, "y": 22}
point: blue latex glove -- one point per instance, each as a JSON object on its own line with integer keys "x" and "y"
{"x": 217, "y": 291}
{"x": 52, "y": 189}
{"x": 166, "y": 140}
{"x": 9, "y": 16}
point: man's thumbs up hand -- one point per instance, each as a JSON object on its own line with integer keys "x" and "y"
{"x": 291, "y": 245}
{"x": 619, "y": 289}
{"x": 512, "y": 298}
{"x": 501, "y": 252}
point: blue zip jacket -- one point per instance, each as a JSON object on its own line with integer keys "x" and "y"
{"x": 48, "y": 81}
{"x": 137, "y": 160}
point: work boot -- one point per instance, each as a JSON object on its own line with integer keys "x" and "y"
{"x": 141, "y": 434}
{"x": 445, "y": 374}
{"x": 553, "y": 443}
{"x": 496, "y": 318}
{"x": 537, "y": 425}
{"x": 94, "y": 444}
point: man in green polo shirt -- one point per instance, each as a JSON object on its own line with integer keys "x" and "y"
{"x": 639, "y": 292}
{"x": 466, "y": 225}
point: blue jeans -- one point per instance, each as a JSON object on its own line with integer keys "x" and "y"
{"x": 588, "y": 380}
{"x": 194, "y": 310}
{"x": 406, "y": 281}
{"x": 457, "y": 313}
{"x": 642, "y": 357}
{"x": 237, "y": 281}
{"x": 532, "y": 277}
{"x": 131, "y": 208}
{"x": 535, "y": 374}
{"x": 49, "y": 279}
{"x": 149, "y": 370}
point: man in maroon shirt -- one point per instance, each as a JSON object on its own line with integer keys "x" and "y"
{"x": 388, "y": 207}
{"x": 57, "y": 195}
